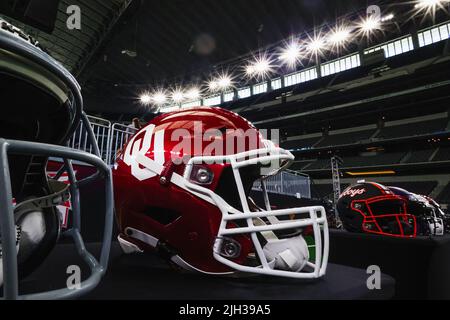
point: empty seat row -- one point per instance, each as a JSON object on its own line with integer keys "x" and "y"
{"x": 389, "y": 132}
{"x": 346, "y": 138}
{"x": 417, "y": 128}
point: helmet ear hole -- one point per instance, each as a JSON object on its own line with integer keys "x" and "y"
{"x": 40, "y": 229}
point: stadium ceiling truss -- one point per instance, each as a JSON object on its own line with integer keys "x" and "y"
{"x": 74, "y": 48}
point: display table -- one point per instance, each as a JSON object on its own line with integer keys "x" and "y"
{"x": 140, "y": 276}
{"x": 420, "y": 266}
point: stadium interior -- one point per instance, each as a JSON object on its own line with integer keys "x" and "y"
{"x": 371, "y": 107}
{"x": 380, "y": 105}
{"x": 386, "y": 117}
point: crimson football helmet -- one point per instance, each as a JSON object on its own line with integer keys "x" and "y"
{"x": 370, "y": 207}
{"x": 41, "y": 108}
{"x": 182, "y": 188}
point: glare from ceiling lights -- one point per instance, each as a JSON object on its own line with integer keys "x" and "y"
{"x": 145, "y": 99}
{"x": 430, "y": 3}
{"x": 316, "y": 46}
{"x": 177, "y": 96}
{"x": 261, "y": 67}
{"x": 368, "y": 26}
{"x": 250, "y": 70}
{"x": 159, "y": 98}
{"x": 225, "y": 82}
{"x": 221, "y": 82}
{"x": 340, "y": 36}
{"x": 291, "y": 54}
{"x": 193, "y": 94}
{"x": 388, "y": 17}
{"x": 213, "y": 85}
{"x": 428, "y": 8}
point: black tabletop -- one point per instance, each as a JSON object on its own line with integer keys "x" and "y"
{"x": 419, "y": 265}
{"x": 146, "y": 276}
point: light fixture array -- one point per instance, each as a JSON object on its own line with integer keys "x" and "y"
{"x": 310, "y": 47}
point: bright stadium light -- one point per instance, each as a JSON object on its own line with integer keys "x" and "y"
{"x": 145, "y": 99}
{"x": 388, "y": 17}
{"x": 291, "y": 54}
{"x": 261, "y": 67}
{"x": 250, "y": 70}
{"x": 220, "y": 82}
{"x": 225, "y": 82}
{"x": 367, "y": 26}
{"x": 159, "y": 97}
{"x": 177, "y": 96}
{"x": 193, "y": 94}
{"x": 213, "y": 85}
{"x": 370, "y": 24}
{"x": 316, "y": 45}
{"x": 339, "y": 36}
{"x": 429, "y": 7}
{"x": 429, "y": 3}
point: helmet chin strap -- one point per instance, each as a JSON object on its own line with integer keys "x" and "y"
{"x": 289, "y": 254}
{"x": 59, "y": 193}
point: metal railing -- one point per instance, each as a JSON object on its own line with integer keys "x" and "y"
{"x": 119, "y": 136}
{"x": 288, "y": 183}
{"x": 101, "y": 129}
{"x": 110, "y": 138}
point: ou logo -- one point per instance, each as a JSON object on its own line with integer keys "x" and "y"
{"x": 140, "y": 144}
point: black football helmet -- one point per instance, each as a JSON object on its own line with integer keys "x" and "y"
{"x": 440, "y": 213}
{"x": 429, "y": 216}
{"x": 369, "y": 207}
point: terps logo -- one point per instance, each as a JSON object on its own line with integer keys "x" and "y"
{"x": 353, "y": 192}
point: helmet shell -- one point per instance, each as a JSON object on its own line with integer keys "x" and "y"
{"x": 184, "y": 223}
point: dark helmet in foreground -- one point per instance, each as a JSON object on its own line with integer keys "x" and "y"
{"x": 41, "y": 108}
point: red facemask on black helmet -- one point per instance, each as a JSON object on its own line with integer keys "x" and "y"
{"x": 372, "y": 208}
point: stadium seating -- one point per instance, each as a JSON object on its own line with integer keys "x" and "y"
{"x": 358, "y": 161}
{"x": 319, "y": 164}
{"x": 419, "y": 187}
{"x": 418, "y": 128}
{"x": 421, "y": 150}
{"x": 442, "y": 155}
{"x": 346, "y": 138}
{"x": 418, "y": 156}
{"x": 300, "y": 144}
{"x": 300, "y": 165}
{"x": 368, "y": 161}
